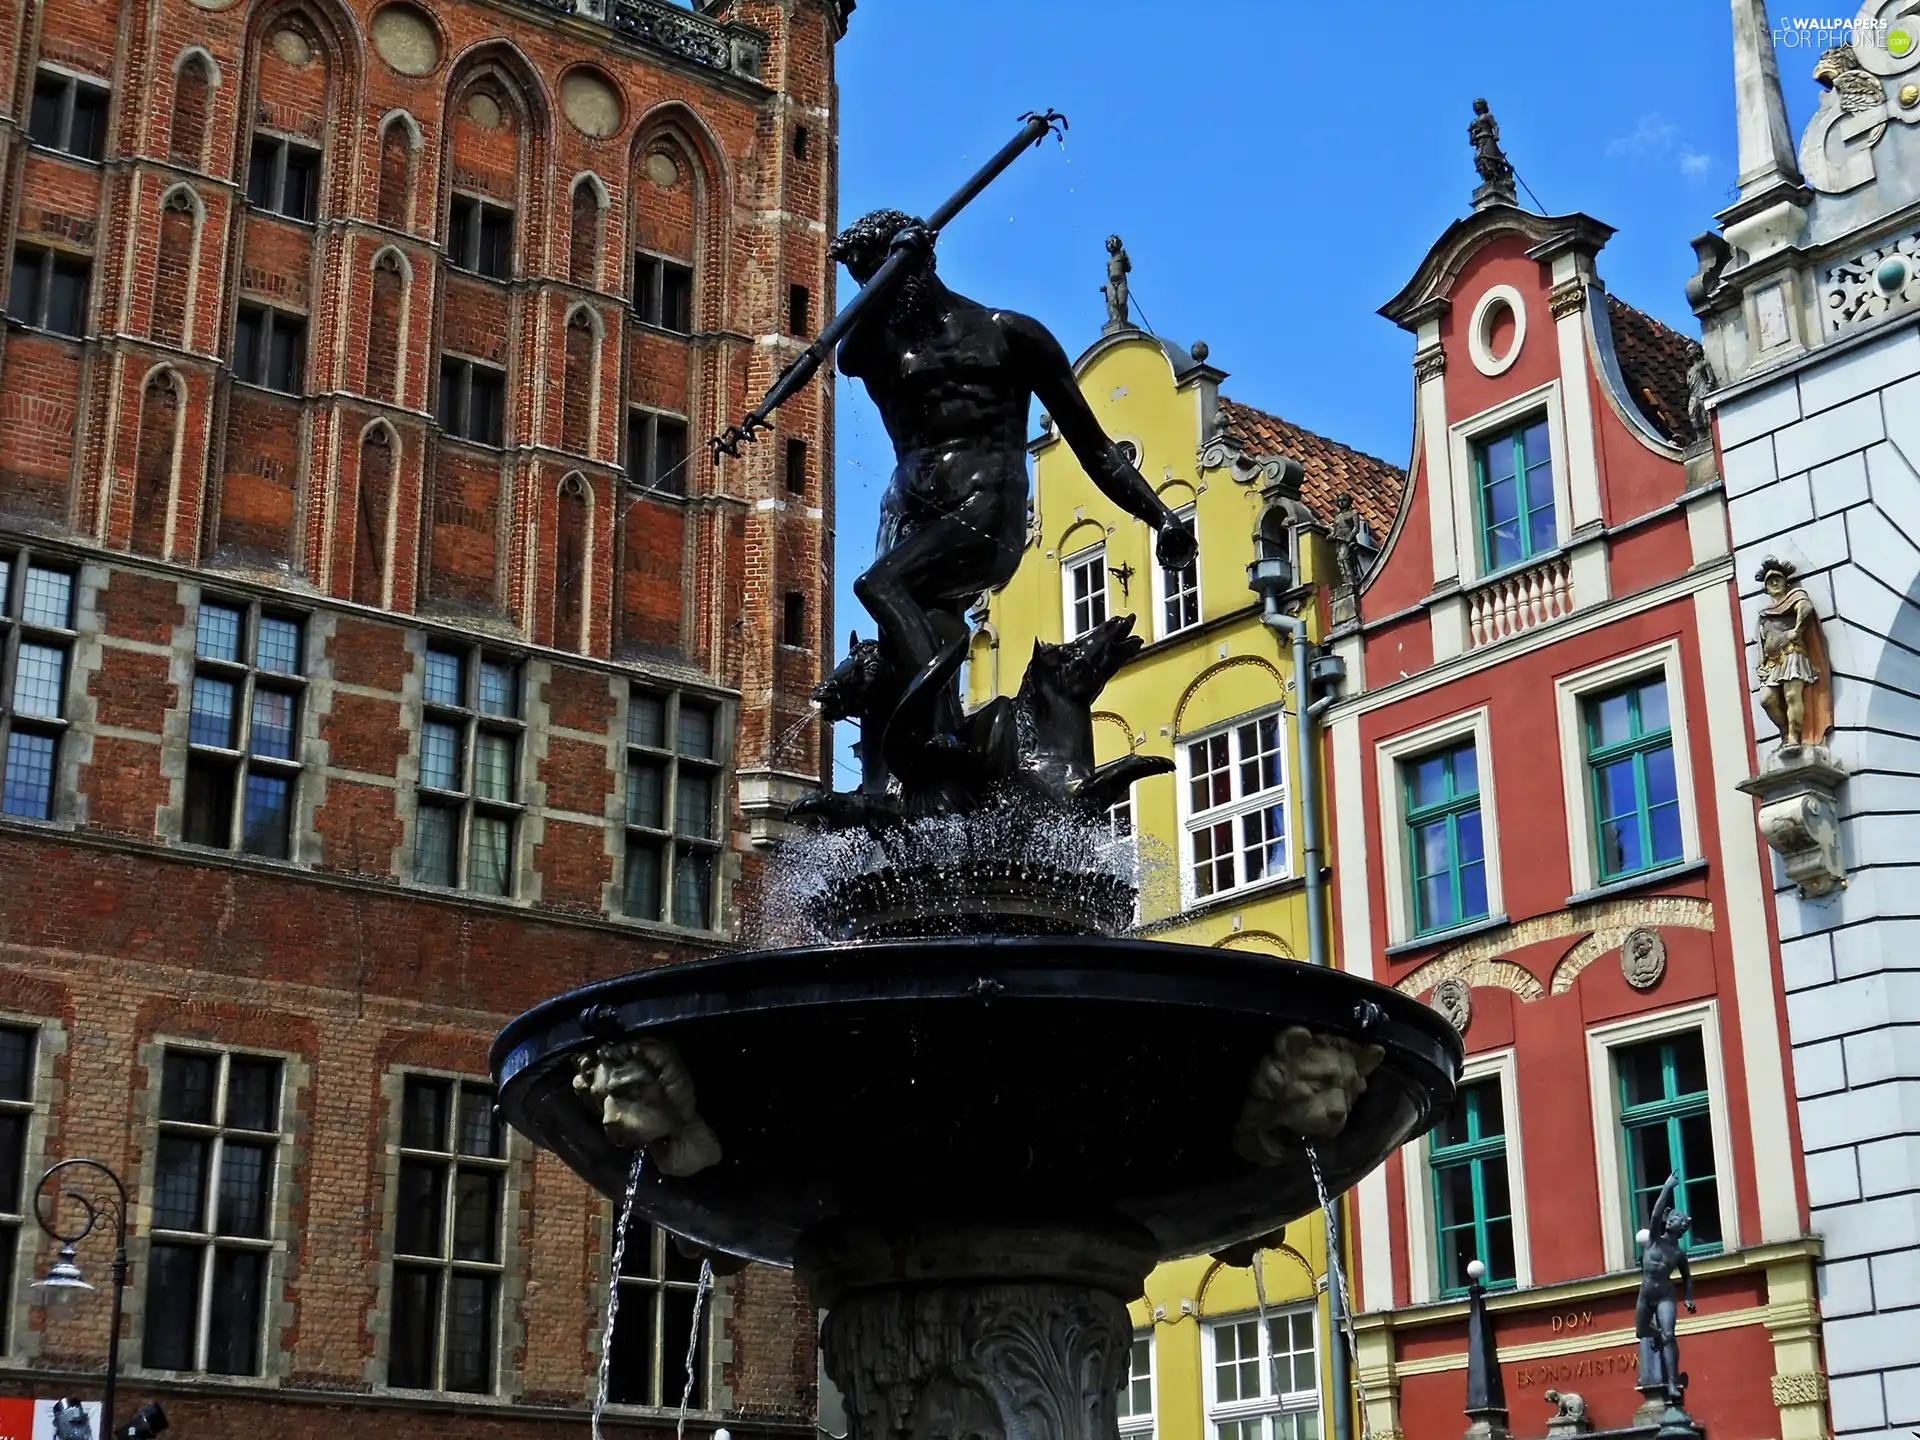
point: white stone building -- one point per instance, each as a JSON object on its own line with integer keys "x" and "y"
{"x": 1809, "y": 300}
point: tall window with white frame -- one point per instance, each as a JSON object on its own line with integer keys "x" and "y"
{"x": 1136, "y": 1394}
{"x": 654, "y": 1324}
{"x": 1472, "y": 1199}
{"x": 1178, "y": 591}
{"x": 1265, "y": 1378}
{"x": 1667, "y": 1128}
{"x": 675, "y": 787}
{"x": 1236, "y": 823}
{"x": 1514, "y": 475}
{"x": 220, "y": 1130}
{"x": 243, "y": 729}
{"x": 36, "y": 644}
{"x": 448, "y": 1247}
{"x": 1634, "y": 790}
{"x": 470, "y": 738}
{"x": 16, "y": 1114}
{"x": 1083, "y": 587}
{"x": 1445, "y": 847}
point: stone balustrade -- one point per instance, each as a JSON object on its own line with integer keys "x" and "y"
{"x": 1519, "y": 600}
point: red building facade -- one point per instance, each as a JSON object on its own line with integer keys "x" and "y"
{"x": 1536, "y": 756}
{"x": 375, "y": 667}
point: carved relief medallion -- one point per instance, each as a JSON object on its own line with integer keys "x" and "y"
{"x": 1453, "y": 998}
{"x": 1643, "y": 957}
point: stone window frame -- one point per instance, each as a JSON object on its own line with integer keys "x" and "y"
{"x": 1570, "y": 693}
{"x": 718, "y": 1312}
{"x": 18, "y": 1340}
{"x": 1267, "y": 1404}
{"x": 644, "y": 475}
{"x": 1396, "y": 862}
{"x": 510, "y": 1328}
{"x": 1423, "y": 1254}
{"x": 1463, "y": 498}
{"x": 49, "y": 259}
{"x": 651, "y": 269}
{"x": 15, "y": 630}
{"x": 1094, "y": 556}
{"x": 1142, "y": 1424}
{"x": 476, "y": 216}
{"x": 1236, "y": 809}
{"x": 283, "y": 147}
{"x": 271, "y": 319}
{"x": 475, "y": 721}
{"x": 1188, "y": 515}
{"x": 245, "y": 675}
{"x": 277, "y": 1312}
{"x": 458, "y": 424}
{"x": 1609, "y": 1136}
{"x": 72, "y": 82}
{"x": 669, "y": 837}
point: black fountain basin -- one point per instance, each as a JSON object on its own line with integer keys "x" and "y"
{"x": 1078, "y": 1081}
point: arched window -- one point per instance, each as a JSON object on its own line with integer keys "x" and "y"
{"x": 370, "y": 526}
{"x": 570, "y": 577}
{"x": 192, "y": 106}
{"x": 577, "y": 397}
{"x": 173, "y": 269}
{"x": 153, "y": 470}
{"x": 396, "y": 173}
{"x": 583, "y": 263}
{"x": 384, "y": 331}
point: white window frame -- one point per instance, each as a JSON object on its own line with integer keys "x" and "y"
{"x": 1233, "y": 809}
{"x": 1190, "y": 516}
{"x": 1570, "y": 694}
{"x": 1396, "y": 864}
{"x": 1142, "y": 1427}
{"x": 1463, "y": 435}
{"x": 1289, "y": 1402}
{"x": 1609, "y": 1142}
{"x": 1096, "y": 556}
{"x": 1423, "y": 1245}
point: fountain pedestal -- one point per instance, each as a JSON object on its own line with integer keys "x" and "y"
{"x": 997, "y": 1332}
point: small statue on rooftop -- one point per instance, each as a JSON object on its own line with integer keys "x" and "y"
{"x": 1792, "y": 665}
{"x": 1352, "y": 541}
{"x": 1654, "y": 1313}
{"x": 1118, "y": 268}
{"x": 1496, "y": 173}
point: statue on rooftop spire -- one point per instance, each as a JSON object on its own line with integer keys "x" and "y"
{"x": 1118, "y": 268}
{"x": 1496, "y": 172}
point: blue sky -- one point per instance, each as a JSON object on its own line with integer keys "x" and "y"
{"x": 1277, "y": 171}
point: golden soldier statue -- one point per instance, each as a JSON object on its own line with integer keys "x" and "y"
{"x": 1792, "y": 670}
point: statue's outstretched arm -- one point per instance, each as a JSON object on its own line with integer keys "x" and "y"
{"x": 1662, "y": 1207}
{"x": 1050, "y": 374}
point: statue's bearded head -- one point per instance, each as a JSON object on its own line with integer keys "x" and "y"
{"x": 862, "y": 246}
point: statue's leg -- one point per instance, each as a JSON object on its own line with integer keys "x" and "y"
{"x": 1669, "y": 1348}
{"x": 1775, "y": 707}
{"x": 903, "y": 588}
{"x": 1793, "y": 730}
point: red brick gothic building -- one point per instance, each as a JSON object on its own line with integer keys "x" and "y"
{"x": 373, "y": 667}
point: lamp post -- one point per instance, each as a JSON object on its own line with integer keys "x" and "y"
{"x": 64, "y": 1283}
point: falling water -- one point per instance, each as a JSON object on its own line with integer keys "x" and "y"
{"x": 693, "y": 1343}
{"x": 1260, "y": 1301}
{"x": 613, "y": 1289}
{"x": 1338, "y": 1280}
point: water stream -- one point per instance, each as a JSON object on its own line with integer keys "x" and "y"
{"x": 613, "y": 1289}
{"x": 693, "y": 1343}
{"x": 1337, "y": 1278}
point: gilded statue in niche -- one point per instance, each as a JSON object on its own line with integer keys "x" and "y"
{"x": 1796, "y": 687}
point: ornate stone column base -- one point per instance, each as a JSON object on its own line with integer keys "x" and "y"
{"x": 1016, "y": 1333}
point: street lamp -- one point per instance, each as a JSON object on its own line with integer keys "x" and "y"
{"x": 64, "y": 1283}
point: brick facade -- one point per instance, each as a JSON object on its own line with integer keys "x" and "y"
{"x": 399, "y": 416}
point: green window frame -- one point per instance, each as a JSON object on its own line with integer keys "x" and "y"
{"x": 1446, "y": 849}
{"x": 1513, "y": 484}
{"x": 1666, "y": 1125}
{"x": 1631, "y": 781}
{"x": 1472, "y": 1190}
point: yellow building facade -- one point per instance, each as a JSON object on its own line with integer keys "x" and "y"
{"x": 1217, "y": 841}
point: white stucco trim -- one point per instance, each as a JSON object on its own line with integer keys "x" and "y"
{"x": 1431, "y": 399}
{"x": 1423, "y": 1259}
{"x": 1746, "y": 918}
{"x": 1461, "y": 437}
{"x": 1396, "y": 871}
{"x": 1583, "y": 460}
{"x": 1479, "y": 349}
{"x": 1568, "y": 692}
{"x": 1602, "y": 1041}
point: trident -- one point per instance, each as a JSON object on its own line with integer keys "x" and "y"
{"x": 1034, "y": 128}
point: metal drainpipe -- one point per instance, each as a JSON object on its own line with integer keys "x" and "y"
{"x": 1306, "y": 754}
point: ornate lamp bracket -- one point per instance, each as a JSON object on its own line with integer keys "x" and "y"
{"x": 1798, "y": 791}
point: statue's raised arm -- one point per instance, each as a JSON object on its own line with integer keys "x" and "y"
{"x": 1662, "y": 1207}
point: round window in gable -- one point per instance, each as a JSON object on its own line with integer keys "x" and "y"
{"x": 1497, "y": 331}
